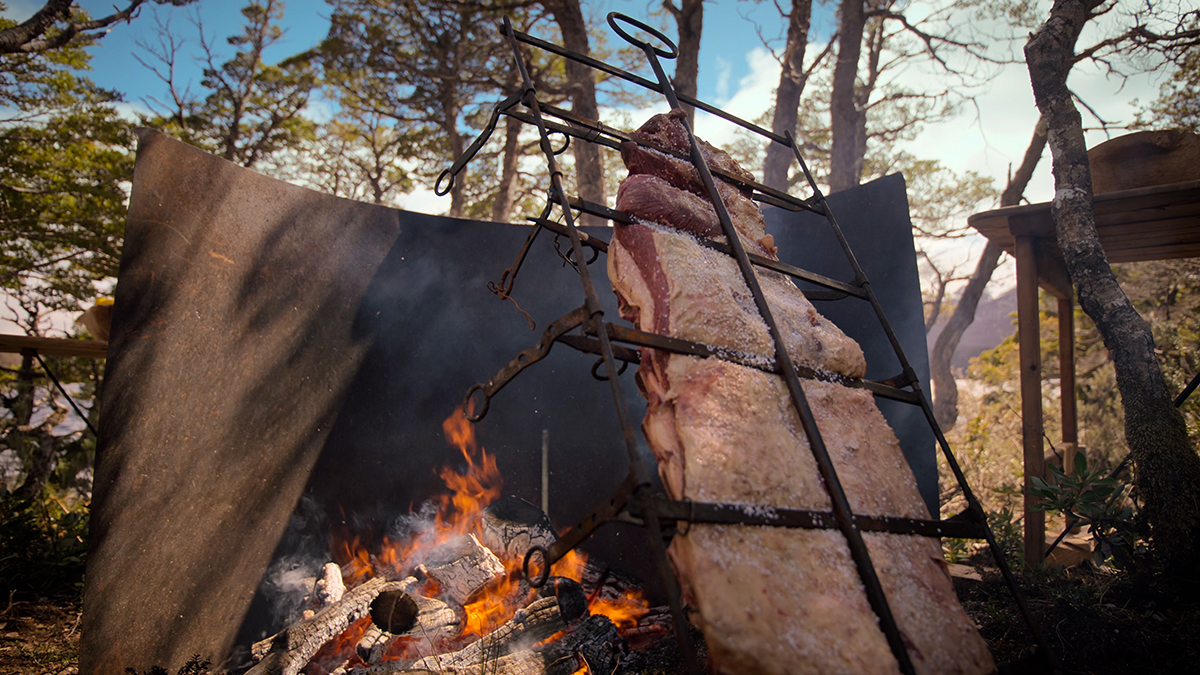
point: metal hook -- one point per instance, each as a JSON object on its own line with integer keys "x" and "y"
{"x": 566, "y": 142}
{"x": 604, "y": 378}
{"x": 670, "y": 53}
{"x": 476, "y": 145}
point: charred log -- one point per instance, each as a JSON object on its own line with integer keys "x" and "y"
{"x": 530, "y": 625}
{"x": 511, "y": 526}
{"x": 290, "y": 650}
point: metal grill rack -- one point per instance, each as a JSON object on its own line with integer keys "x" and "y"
{"x": 586, "y": 330}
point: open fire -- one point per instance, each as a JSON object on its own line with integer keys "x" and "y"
{"x": 452, "y": 594}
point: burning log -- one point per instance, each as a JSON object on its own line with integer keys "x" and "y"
{"x": 290, "y": 650}
{"x": 327, "y": 589}
{"x": 510, "y": 644}
{"x": 594, "y": 643}
{"x": 511, "y": 526}
{"x": 428, "y": 622}
{"x": 462, "y": 567}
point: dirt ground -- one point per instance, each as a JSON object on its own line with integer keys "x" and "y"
{"x": 39, "y": 638}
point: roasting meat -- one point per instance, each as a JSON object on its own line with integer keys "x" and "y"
{"x": 770, "y": 600}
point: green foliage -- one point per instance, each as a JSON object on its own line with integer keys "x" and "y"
{"x": 62, "y": 205}
{"x": 1177, "y": 105}
{"x": 1100, "y": 502}
{"x": 251, "y": 112}
{"x": 43, "y": 543}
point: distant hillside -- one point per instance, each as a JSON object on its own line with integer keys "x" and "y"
{"x": 994, "y": 320}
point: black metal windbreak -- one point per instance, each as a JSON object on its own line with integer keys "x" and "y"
{"x": 585, "y": 329}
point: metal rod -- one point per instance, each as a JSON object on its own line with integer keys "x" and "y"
{"x": 58, "y": 384}
{"x": 546, "y": 471}
{"x": 973, "y": 503}
{"x": 841, "y": 505}
{"x": 637, "y": 468}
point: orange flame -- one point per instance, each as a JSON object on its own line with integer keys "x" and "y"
{"x": 458, "y": 513}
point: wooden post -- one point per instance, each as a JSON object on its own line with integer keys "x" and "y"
{"x": 1066, "y": 369}
{"x": 1028, "y": 334}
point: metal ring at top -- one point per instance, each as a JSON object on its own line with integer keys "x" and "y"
{"x": 437, "y": 186}
{"x": 670, "y": 53}
{"x": 469, "y": 406}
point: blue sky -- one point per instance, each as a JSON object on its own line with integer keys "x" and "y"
{"x": 736, "y": 73}
{"x": 729, "y": 34}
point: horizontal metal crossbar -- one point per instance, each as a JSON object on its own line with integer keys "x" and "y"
{"x": 753, "y": 514}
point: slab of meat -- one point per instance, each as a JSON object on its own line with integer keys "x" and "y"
{"x": 770, "y": 600}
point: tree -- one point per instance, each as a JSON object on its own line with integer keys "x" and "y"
{"x": 1167, "y": 466}
{"x": 252, "y": 111}
{"x": 62, "y": 210}
{"x": 891, "y": 41}
{"x": 792, "y": 79}
{"x": 689, "y": 22}
{"x": 945, "y": 404}
{"x": 424, "y": 66}
{"x": 60, "y": 23}
{"x": 589, "y": 164}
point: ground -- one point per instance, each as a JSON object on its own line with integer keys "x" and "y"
{"x": 40, "y": 637}
{"x": 1099, "y": 623}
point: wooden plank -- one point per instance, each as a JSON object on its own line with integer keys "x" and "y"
{"x": 1066, "y": 370}
{"x": 93, "y": 349}
{"x": 1031, "y": 393}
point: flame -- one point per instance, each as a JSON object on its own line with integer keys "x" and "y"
{"x": 472, "y": 491}
{"x": 458, "y": 512}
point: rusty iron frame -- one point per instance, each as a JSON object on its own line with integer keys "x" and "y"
{"x": 584, "y": 329}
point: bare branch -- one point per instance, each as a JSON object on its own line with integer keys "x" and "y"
{"x": 27, "y": 37}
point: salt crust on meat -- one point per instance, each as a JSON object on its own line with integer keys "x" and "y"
{"x": 773, "y": 600}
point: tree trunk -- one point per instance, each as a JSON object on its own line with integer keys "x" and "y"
{"x": 1167, "y": 468}
{"x": 843, "y": 106}
{"x": 589, "y": 165}
{"x": 689, "y": 18}
{"x": 506, "y": 191}
{"x": 945, "y": 403}
{"x": 787, "y": 96}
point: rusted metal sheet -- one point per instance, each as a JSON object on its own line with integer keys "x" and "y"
{"x": 233, "y": 340}
{"x": 269, "y": 341}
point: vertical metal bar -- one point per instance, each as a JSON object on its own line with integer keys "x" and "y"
{"x": 783, "y": 360}
{"x": 637, "y": 468}
{"x": 975, "y": 507}
{"x": 546, "y": 471}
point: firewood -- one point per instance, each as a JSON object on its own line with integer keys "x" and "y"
{"x": 462, "y": 567}
{"x": 536, "y": 622}
{"x": 330, "y": 587}
{"x": 427, "y": 622}
{"x": 290, "y": 650}
{"x": 511, "y": 526}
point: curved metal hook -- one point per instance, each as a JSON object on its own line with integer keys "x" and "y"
{"x": 474, "y": 148}
{"x": 604, "y": 378}
{"x": 671, "y": 52}
{"x": 566, "y": 142}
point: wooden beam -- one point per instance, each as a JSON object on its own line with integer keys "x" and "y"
{"x": 1066, "y": 369}
{"x": 92, "y": 349}
{"x": 1028, "y": 334}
